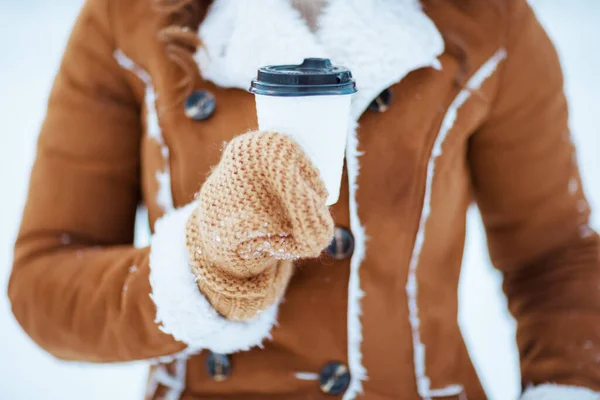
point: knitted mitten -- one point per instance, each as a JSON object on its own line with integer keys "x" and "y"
{"x": 262, "y": 207}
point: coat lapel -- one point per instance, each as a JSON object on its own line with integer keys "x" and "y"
{"x": 381, "y": 41}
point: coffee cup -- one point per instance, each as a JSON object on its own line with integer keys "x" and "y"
{"x": 310, "y": 103}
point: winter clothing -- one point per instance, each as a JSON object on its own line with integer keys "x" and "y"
{"x": 263, "y": 202}
{"x": 559, "y": 392}
{"x": 480, "y": 116}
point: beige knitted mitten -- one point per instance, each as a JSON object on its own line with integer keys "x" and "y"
{"x": 262, "y": 207}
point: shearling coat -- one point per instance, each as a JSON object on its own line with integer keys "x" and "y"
{"x": 459, "y": 101}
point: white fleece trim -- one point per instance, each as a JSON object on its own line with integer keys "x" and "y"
{"x": 164, "y": 197}
{"x": 358, "y": 373}
{"x": 181, "y": 309}
{"x": 175, "y": 384}
{"x": 559, "y": 392}
{"x": 128, "y": 64}
{"x": 474, "y": 83}
{"x": 235, "y": 45}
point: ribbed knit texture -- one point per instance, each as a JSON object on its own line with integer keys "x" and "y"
{"x": 262, "y": 207}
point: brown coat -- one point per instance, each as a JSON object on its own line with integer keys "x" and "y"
{"x": 488, "y": 124}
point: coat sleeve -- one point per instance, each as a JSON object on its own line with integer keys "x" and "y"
{"x": 78, "y": 287}
{"x": 528, "y": 188}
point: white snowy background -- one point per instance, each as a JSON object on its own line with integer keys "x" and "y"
{"x": 32, "y": 37}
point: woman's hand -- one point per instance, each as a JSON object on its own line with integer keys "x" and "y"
{"x": 262, "y": 207}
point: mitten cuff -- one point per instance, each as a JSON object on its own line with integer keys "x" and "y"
{"x": 559, "y": 392}
{"x": 181, "y": 309}
{"x": 238, "y": 298}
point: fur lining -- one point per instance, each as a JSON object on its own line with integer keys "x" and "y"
{"x": 181, "y": 309}
{"x": 559, "y": 392}
{"x": 175, "y": 384}
{"x": 358, "y": 373}
{"x": 235, "y": 45}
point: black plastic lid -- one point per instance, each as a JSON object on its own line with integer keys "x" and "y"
{"x": 314, "y": 77}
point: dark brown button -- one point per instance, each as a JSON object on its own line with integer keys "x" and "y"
{"x": 382, "y": 102}
{"x": 334, "y": 378}
{"x": 218, "y": 366}
{"x": 342, "y": 245}
{"x": 200, "y": 105}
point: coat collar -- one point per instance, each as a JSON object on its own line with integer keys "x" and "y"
{"x": 381, "y": 41}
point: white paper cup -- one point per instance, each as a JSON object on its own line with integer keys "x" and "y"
{"x": 312, "y": 107}
{"x": 319, "y": 124}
